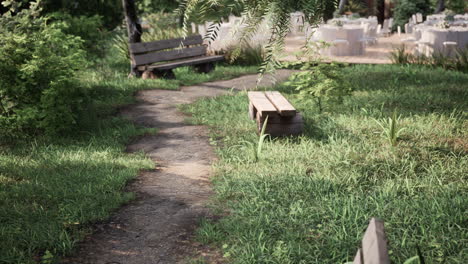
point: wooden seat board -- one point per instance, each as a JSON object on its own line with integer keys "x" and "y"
{"x": 281, "y": 103}
{"x": 145, "y": 47}
{"x": 150, "y": 58}
{"x": 188, "y": 62}
{"x": 261, "y": 103}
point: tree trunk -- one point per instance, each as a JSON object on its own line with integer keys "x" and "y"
{"x": 133, "y": 28}
{"x": 440, "y": 6}
{"x": 341, "y": 6}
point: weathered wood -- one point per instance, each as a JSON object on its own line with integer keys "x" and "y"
{"x": 374, "y": 244}
{"x": 145, "y": 47}
{"x": 280, "y": 129}
{"x": 149, "y": 58}
{"x": 252, "y": 111}
{"x": 133, "y": 29}
{"x": 282, "y": 105}
{"x": 261, "y": 103}
{"x": 358, "y": 257}
{"x": 279, "y": 119}
{"x": 188, "y": 62}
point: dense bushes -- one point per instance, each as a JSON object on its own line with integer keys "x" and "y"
{"x": 90, "y": 29}
{"x": 406, "y": 8}
{"x": 38, "y": 64}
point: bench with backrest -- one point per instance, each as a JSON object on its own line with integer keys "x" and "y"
{"x": 160, "y": 57}
{"x": 283, "y": 118}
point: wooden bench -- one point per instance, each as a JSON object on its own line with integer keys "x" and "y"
{"x": 160, "y": 57}
{"x": 283, "y": 118}
{"x": 374, "y": 245}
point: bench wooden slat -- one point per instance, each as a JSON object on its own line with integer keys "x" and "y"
{"x": 261, "y": 103}
{"x": 145, "y": 47}
{"x": 282, "y": 105}
{"x": 149, "y": 58}
{"x": 172, "y": 65}
{"x": 374, "y": 244}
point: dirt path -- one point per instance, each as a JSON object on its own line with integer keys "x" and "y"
{"x": 158, "y": 226}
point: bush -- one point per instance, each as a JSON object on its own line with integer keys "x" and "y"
{"x": 406, "y": 8}
{"x": 457, "y": 62}
{"x": 153, "y": 6}
{"x": 457, "y": 6}
{"x": 245, "y": 54}
{"x": 322, "y": 83}
{"x": 90, "y": 29}
{"x": 38, "y": 64}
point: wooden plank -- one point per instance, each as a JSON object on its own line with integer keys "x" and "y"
{"x": 252, "y": 111}
{"x": 282, "y": 130}
{"x": 283, "y": 106}
{"x": 374, "y": 244}
{"x": 282, "y": 126}
{"x": 149, "y": 58}
{"x": 145, "y": 47}
{"x": 358, "y": 257}
{"x": 261, "y": 103}
{"x": 279, "y": 119}
{"x": 188, "y": 62}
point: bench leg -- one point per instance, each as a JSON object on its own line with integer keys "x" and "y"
{"x": 166, "y": 74}
{"x": 205, "y": 68}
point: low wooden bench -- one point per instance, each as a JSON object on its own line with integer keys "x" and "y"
{"x": 160, "y": 57}
{"x": 374, "y": 248}
{"x": 283, "y": 118}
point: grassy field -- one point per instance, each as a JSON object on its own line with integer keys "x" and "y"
{"x": 309, "y": 199}
{"x": 53, "y": 189}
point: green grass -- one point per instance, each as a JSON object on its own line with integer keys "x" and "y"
{"x": 53, "y": 189}
{"x": 309, "y": 199}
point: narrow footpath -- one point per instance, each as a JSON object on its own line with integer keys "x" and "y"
{"x": 158, "y": 226}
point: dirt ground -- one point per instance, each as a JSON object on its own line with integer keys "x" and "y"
{"x": 158, "y": 227}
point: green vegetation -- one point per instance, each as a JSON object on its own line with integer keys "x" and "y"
{"x": 404, "y": 9}
{"x": 62, "y": 160}
{"x": 457, "y": 61}
{"x": 53, "y": 188}
{"x": 321, "y": 83}
{"x": 309, "y": 199}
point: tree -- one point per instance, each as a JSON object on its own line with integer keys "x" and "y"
{"x": 440, "y": 6}
{"x": 133, "y": 27}
{"x": 341, "y": 6}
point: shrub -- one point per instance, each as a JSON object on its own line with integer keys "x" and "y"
{"x": 38, "y": 64}
{"x": 245, "y": 54}
{"x": 457, "y": 6}
{"x": 322, "y": 83}
{"x": 153, "y": 6}
{"x": 404, "y": 9}
{"x": 90, "y": 29}
{"x": 458, "y": 62}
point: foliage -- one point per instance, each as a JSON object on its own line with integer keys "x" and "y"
{"x": 322, "y": 83}
{"x": 38, "y": 65}
{"x": 52, "y": 189}
{"x": 309, "y": 198}
{"x": 155, "y": 6}
{"x": 404, "y": 9}
{"x": 110, "y": 11}
{"x": 391, "y": 129}
{"x": 457, "y": 61}
{"x": 160, "y": 26}
{"x": 246, "y": 54}
{"x": 276, "y": 13}
{"x": 457, "y": 6}
{"x": 89, "y": 28}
